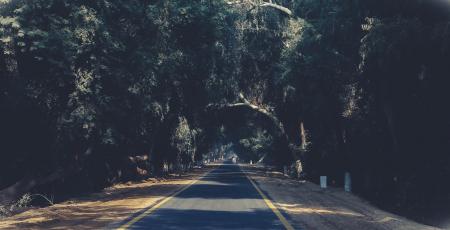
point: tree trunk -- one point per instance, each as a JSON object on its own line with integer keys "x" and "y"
{"x": 303, "y": 135}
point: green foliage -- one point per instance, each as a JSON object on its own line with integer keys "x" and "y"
{"x": 183, "y": 140}
{"x": 88, "y": 87}
{"x": 257, "y": 145}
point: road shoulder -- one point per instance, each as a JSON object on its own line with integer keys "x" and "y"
{"x": 112, "y": 205}
{"x": 307, "y": 206}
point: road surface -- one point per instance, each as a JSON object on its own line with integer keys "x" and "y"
{"x": 223, "y": 199}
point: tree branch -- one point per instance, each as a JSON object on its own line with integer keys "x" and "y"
{"x": 263, "y": 4}
{"x": 278, "y": 7}
{"x": 247, "y": 104}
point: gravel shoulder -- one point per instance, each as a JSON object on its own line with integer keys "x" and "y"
{"x": 99, "y": 210}
{"x": 307, "y": 206}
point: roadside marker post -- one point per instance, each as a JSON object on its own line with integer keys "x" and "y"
{"x": 348, "y": 182}
{"x": 323, "y": 181}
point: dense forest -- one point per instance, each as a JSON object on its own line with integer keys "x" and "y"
{"x": 97, "y": 92}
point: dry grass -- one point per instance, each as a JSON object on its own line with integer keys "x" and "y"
{"x": 99, "y": 210}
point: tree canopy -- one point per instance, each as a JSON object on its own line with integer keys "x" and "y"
{"x": 96, "y": 92}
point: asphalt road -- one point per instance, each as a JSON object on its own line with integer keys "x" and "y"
{"x": 223, "y": 199}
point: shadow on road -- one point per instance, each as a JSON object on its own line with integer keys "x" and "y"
{"x": 209, "y": 220}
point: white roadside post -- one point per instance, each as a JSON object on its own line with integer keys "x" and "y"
{"x": 285, "y": 170}
{"x": 348, "y": 182}
{"x": 323, "y": 181}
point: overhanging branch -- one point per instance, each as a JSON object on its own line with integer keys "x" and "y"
{"x": 259, "y": 3}
{"x": 278, "y": 7}
{"x": 268, "y": 114}
{"x": 247, "y": 104}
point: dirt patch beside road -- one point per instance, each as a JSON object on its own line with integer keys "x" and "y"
{"x": 310, "y": 207}
{"x": 113, "y": 204}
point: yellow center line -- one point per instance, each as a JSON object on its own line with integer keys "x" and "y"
{"x": 269, "y": 203}
{"x": 159, "y": 204}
